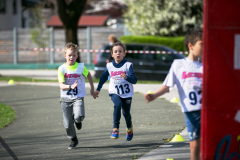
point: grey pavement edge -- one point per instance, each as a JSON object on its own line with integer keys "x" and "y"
{"x": 175, "y": 150}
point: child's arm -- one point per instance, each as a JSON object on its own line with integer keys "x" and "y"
{"x": 65, "y": 86}
{"x": 102, "y": 80}
{"x": 61, "y": 81}
{"x": 162, "y": 90}
{"x": 89, "y": 77}
{"x": 131, "y": 76}
{"x": 169, "y": 81}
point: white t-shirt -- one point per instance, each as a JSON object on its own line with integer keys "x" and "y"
{"x": 187, "y": 75}
{"x": 117, "y": 84}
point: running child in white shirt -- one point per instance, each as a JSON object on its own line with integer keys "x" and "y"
{"x": 187, "y": 75}
{"x": 120, "y": 88}
{"x": 71, "y": 77}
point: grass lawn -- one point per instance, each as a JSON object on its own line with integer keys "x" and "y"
{"x": 7, "y": 115}
{"x": 24, "y": 79}
{"x": 96, "y": 80}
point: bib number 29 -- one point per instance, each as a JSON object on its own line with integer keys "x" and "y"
{"x": 74, "y": 91}
{"x": 124, "y": 89}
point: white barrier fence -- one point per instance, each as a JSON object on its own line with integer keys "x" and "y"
{"x": 93, "y": 50}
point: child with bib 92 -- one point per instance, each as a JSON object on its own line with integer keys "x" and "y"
{"x": 187, "y": 75}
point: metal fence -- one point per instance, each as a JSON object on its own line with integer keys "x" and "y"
{"x": 18, "y": 46}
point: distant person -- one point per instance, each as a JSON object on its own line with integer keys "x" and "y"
{"x": 187, "y": 75}
{"x": 71, "y": 77}
{"x": 120, "y": 88}
{"x": 112, "y": 39}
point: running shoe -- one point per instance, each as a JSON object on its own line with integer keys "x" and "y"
{"x": 129, "y": 135}
{"x": 78, "y": 125}
{"x": 73, "y": 144}
{"x": 115, "y": 133}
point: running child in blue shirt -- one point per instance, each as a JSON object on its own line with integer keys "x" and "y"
{"x": 120, "y": 88}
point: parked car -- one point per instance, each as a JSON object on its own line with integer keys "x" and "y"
{"x": 145, "y": 66}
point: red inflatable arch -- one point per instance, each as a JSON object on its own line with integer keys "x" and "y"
{"x": 220, "y": 127}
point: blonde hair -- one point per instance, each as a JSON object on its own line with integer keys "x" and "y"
{"x": 71, "y": 46}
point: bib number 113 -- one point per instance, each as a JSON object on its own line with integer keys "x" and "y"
{"x": 124, "y": 89}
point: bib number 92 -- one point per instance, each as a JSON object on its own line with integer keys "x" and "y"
{"x": 193, "y": 96}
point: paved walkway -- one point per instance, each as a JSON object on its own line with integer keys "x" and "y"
{"x": 38, "y": 133}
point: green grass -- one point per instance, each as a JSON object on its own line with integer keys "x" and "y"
{"x": 7, "y": 115}
{"x": 135, "y": 157}
{"x": 149, "y": 82}
{"x": 24, "y": 79}
{"x": 96, "y": 80}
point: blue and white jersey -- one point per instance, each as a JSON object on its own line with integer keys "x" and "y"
{"x": 118, "y": 85}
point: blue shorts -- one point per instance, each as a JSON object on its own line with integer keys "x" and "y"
{"x": 193, "y": 120}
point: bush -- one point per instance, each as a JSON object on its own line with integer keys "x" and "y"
{"x": 176, "y": 43}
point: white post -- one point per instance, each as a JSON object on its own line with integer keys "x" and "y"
{"x": 89, "y": 55}
{"x": 51, "y": 45}
{"x": 15, "y": 41}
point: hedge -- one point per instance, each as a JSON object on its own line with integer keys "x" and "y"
{"x": 176, "y": 43}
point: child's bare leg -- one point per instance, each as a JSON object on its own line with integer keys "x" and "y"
{"x": 195, "y": 149}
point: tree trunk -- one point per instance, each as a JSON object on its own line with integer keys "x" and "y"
{"x": 71, "y": 36}
{"x": 69, "y": 15}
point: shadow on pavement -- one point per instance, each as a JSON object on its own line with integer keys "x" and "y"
{"x": 38, "y": 132}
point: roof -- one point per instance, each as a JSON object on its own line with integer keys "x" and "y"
{"x": 85, "y": 20}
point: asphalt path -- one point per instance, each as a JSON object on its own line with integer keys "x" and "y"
{"x": 38, "y": 132}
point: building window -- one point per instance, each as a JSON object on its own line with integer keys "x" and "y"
{"x": 14, "y": 6}
{"x": 2, "y": 6}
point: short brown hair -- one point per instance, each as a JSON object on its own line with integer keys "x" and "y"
{"x": 118, "y": 44}
{"x": 192, "y": 37}
{"x": 71, "y": 46}
{"x": 113, "y": 38}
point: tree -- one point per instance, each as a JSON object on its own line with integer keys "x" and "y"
{"x": 38, "y": 32}
{"x": 112, "y": 8}
{"x": 69, "y": 12}
{"x": 162, "y": 17}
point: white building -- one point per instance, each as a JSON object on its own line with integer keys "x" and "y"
{"x": 17, "y": 13}
{"x": 10, "y": 14}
